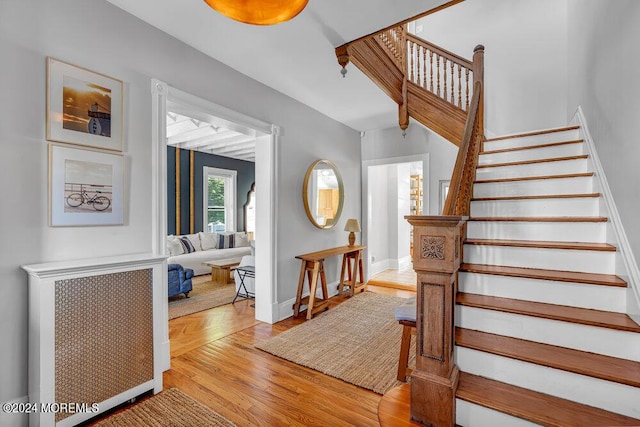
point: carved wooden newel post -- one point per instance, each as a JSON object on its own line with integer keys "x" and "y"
{"x": 436, "y": 260}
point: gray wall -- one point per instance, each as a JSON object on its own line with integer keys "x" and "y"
{"x": 525, "y": 57}
{"x": 101, "y": 37}
{"x": 603, "y": 80}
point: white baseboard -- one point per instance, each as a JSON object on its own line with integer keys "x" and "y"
{"x": 285, "y": 309}
{"x": 378, "y": 267}
{"x": 632, "y": 273}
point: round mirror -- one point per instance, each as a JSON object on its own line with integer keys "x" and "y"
{"x": 323, "y": 194}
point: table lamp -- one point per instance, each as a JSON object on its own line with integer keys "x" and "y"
{"x": 352, "y": 227}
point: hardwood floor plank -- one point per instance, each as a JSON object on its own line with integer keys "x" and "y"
{"x": 213, "y": 359}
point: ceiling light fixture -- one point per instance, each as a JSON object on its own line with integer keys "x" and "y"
{"x": 259, "y": 12}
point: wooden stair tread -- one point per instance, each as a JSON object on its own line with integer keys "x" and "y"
{"x": 583, "y": 316}
{"x": 542, "y": 218}
{"x": 594, "y": 365}
{"x": 542, "y": 197}
{"x": 534, "y": 178}
{"x": 529, "y": 162}
{"x": 544, "y": 244}
{"x": 532, "y": 147}
{"x": 556, "y": 275}
{"x": 533, "y": 133}
{"x": 534, "y": 406}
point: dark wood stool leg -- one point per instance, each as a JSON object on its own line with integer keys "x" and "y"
{"x": 405, "y": 345}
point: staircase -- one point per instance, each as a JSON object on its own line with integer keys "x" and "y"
{"x": 539, "y": 325}
{"x": 541, "y": 335}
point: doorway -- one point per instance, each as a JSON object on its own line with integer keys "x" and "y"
{"x": 394, "y": 188}
{"x": 167, "y": 98}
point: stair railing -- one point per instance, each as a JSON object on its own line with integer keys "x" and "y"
{"x": 458, "y": 200}
{"x": 445, "y": 75}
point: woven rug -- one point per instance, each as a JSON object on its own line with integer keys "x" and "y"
{"x": 205, "y": 295}
{"x": 171, "y": 408}
{"x": 357, "y": 342}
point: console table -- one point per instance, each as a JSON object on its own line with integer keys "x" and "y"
{"x": 313, "y": 266}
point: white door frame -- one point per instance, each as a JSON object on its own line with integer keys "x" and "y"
{"x": 267, "y": 134}
{"x": 366, "y": 194}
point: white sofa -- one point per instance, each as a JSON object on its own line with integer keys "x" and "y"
{"x": 206, "y": 247}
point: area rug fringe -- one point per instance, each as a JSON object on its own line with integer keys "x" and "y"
{"x": 357, "y": 342}
{"x": 171, "y": 408}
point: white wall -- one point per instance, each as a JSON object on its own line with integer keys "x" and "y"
{"x": 403, "y": 228}
{"x": 603, "y": 79}
{"x": 378, "y": 225}
{"x": 99, "y": 36}
{"x": 525, "y": 57}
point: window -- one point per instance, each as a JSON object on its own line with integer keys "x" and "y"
{"x": 219, "y": 200}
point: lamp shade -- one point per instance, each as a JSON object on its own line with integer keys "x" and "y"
{"x": 259, "y": 12}
{"x": 352, "y": 225}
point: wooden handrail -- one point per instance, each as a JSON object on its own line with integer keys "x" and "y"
{"x": 441, "y": 51}
{"x": 461, "y": 184}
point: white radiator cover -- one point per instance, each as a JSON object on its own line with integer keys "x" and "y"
{"x": 94, "y": 334}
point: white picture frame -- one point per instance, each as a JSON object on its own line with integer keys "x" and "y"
{"x": 86, "y": 187}
{"x": 83, "y": 107}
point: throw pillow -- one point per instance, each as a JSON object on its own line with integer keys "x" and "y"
{"x": 187, "y": 245}
{"x": 241, "y": 240}
{"x": 195, "y": 241}
{"x": 174, "y": 246}
{"x": 208, "y": 240}
{"x": 226, "y": 241}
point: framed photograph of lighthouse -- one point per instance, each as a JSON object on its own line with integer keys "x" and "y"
{"x": 83, "y": 107}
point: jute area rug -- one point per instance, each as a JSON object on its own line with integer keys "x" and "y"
{"x": 171, "y": 408}
{"x": 357, "y": 342}
{"x": 205, "y": 295}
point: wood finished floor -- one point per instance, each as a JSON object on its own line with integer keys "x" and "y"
{"x": 213, "y": 360}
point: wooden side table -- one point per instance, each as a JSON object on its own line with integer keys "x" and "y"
{"x": 313, "y": 267}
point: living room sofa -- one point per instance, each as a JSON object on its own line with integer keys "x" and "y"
{"x": 191, "y": 250}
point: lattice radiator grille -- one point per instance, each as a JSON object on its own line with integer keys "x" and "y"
{"x": 103, "y": 336}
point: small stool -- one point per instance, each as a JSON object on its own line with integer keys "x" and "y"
{"x": 406, "y": 316}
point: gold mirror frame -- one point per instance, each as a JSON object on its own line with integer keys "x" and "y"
{"x": 305, "y": 194}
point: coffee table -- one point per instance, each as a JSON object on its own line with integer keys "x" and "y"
{"x": 221, "y": 268}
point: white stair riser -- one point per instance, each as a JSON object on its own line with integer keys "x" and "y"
{"x": 552, "y": 231}
{"x": 575, "y": 206}
{"x": 609, "y": 342}
{"x": 537, "y": 187}
{"x": 548, "y": 259}
{"x": 527, "y": 141}
{"x": 561, "y": 167}
{"x": 565, "y": 150}
{"x": 590, "y": 391}
{"x": 471, "y": 415}
{"x": 596, "y": 297}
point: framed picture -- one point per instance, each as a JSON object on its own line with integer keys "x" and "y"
{"x": 85, "y": 187}
{"x": 444, "y": 191}
{"x": 83, "y": 107}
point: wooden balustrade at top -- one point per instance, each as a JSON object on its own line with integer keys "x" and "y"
{"x": 428, "y": 82}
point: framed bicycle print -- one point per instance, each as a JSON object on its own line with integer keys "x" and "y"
{"x": 86, "y": 187}
{"x": 83, "y": 107}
